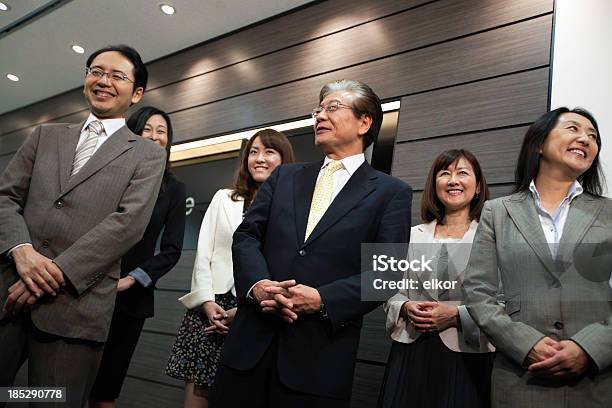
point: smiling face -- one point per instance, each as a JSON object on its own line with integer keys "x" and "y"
{"x": 570, "y": 147}
{"x": 109, "y": 99}
{"x": 156, "y": 129}
{"x": 456, "y": 185}
{"x": 262, "y": 160}
{"x": 340, "y": 133}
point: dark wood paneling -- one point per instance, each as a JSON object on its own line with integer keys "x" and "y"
{"x": 509, "y": 49}
{"x": 380, "y": 38}
{"x": 315, "y": 21}
{"x": 495, "y": 150}
{"x": 505, "y": 101}
{"x": 169, "y": 313}
{"x": 180, "y": 277}
{"x": 495, "y": 190}
{"x": 137, "y": 393}
{"x": 43, "y": 111}
{"x": 10, "y": 142}
{"x": 366, "y": 385}
{"x": 150, "y": 358}
{"x": 375, "y": 341}
{"x": 293, "y": 28}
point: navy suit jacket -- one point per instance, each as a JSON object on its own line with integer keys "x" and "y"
{"x": 315, "y": 355}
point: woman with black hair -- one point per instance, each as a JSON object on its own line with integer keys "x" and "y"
{"x": 545, "y": 243}
{"x": 141, "y": 267}
{"x": 212, "y": 302}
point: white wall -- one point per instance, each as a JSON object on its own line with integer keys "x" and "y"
{"x": 582, "y": 65}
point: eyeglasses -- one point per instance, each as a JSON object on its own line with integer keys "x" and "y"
{"x": 330, "y": 107}
{"x": 117, "y": 77}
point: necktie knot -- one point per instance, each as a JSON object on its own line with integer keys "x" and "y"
{"x": 333, "y": 166}
{"x": 96, "y": 127}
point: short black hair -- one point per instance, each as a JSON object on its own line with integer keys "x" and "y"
{"x": 136, "y": 123}
{"x": 528, "y": 163}
{"x": 141, "y": 75}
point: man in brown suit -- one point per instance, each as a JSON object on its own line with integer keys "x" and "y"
{"x": 73, "y": 200}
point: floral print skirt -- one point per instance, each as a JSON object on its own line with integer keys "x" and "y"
{"x": 195, "y": 356}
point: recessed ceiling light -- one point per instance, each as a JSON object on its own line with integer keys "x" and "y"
{"x": 167, "y": 9}
{"x": 3, "y": 6}
{"x": 77, "y": 48}
{"x": 12, "y": 77}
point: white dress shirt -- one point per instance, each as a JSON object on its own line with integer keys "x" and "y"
{"x": 553, "y": 224}
{"x": 350, "y": 164}
{"x": 110, "y": 127}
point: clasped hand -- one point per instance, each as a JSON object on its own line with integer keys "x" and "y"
{"x": 557, "y": 359}
{"x": 286, "y": 299}
{"x": 39, "y": 275}
{"x": 429, "y": 315}
{"x": 219, "y": 319}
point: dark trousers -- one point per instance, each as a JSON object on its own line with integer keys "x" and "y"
{"x": 53, "y": 361}
{"x": 120, "y": 345}
{"x": 261, "y": 387}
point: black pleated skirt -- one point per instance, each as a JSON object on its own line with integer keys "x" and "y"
{"x": 426, "y": 374}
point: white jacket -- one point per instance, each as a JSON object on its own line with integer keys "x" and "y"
{"x": 213, "y": 269}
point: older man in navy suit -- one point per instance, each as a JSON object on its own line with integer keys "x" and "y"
{"x": 297, "y": 264}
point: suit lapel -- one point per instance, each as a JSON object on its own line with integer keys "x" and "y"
{"x": 361, "y": 183}
{"x": 66, "y": 145}
{"x": 583, "y": 211}
{"x": 304, "y": 181}
{"x": 114, "y": 146}
{"x": 522, "y": 211}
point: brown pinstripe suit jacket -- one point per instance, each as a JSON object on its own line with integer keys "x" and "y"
{"x": 84, "y": 223}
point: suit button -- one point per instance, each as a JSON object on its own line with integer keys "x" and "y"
{"x": 302, "y": 252}
{"x": 45, "y": 244}
{"x": 59, "y": 204}
{"x": 559, "y": 325}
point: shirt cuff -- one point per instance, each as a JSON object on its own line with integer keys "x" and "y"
{"x": 8, "y": 253}
{"x": 141, "y": 277}
{"x": 249, "y": 295}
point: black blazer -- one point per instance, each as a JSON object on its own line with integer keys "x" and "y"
{"x": 169, "y": 215}
{"x": 315, "y": 355}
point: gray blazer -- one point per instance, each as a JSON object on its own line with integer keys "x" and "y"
{"x": 84, "y": 223}
{"x": 544, "y": 297}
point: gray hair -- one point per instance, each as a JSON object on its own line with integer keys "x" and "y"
{"x": 366, "y": 102}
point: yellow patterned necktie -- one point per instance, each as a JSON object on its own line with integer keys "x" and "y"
{"x": 322, "y": 196}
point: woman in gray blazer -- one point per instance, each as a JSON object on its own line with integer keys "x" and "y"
{"x": 211, "y": 303}
{"x": 439, "y": 359}
{"x": 548, "y": 240}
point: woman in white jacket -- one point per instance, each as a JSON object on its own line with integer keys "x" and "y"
{"x": 439, "y": 359}
{"x": 211, "y": 303}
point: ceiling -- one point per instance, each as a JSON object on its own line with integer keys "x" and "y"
{"x": 36, "y": 36}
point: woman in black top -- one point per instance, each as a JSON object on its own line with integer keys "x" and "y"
{"x": 140, "y": 267}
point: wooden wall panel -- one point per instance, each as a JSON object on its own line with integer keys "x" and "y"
{"x": 495, "y": 150}
{"x": 514, "y": 48}
{"x": 506, "y": 101}
{"x": 169, "y": 313}
{"x": 307, "y": 24}
{"x": 150, "y": 358}
{"x": 380, "y": 38}
{"x": 366, "y": 385}
{"x": 138, "y": 393}
{"x": 375, "y": 342}
{"x": 179, "y": 279}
